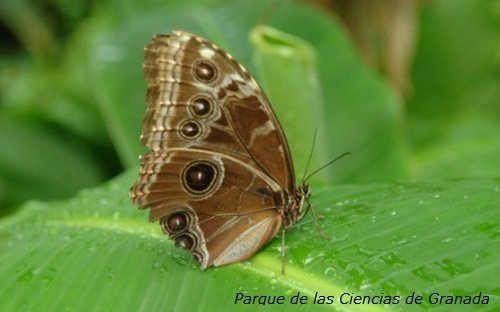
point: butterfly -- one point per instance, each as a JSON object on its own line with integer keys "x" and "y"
{"x": 218, "y": 175}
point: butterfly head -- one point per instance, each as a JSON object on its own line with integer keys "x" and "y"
{"x": 303, "y": 192}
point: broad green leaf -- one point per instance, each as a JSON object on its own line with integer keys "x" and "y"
{"x": 467, "y": 146}
{"x": 97, "y": 252}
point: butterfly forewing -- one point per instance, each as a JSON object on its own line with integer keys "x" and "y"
{"x": 226, "y": 112}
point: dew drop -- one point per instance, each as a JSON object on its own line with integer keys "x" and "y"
{"x": 329, "y": 271}
{"x": 110, "y": 273}
{"x": 180, "y": 259}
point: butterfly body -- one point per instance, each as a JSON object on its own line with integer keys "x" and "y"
{"x": 218, "y": 175}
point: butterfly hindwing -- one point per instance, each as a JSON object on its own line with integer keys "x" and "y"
{"x": 221, "y": 200}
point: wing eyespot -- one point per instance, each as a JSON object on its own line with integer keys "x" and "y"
{"x": 186, "y": 241}
{"x": 205, "y": 71}
{"x": 190, "y": 129}
{"x": 201, "y": 177}
{"x": 201, "y": 106}
{"x": 177, "y": 222}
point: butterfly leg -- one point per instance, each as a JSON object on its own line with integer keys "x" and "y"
{"x": 283, "y": 251}
{"x": 316, "y": 218}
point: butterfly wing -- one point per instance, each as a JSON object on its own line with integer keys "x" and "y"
{"x": 218, "y": 173}
{"x": 212, "y": 204}
{"x": 200, "y": 97}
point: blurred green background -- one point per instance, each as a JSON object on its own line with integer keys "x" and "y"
{"x": 412, "y": 90}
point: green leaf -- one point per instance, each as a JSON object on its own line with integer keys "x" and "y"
{"x": 287, "y": 72}
{"x": 97, "y": 252}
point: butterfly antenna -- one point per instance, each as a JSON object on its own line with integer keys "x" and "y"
{"x": 310, "y": 155}
{"x": 325, "y": 165}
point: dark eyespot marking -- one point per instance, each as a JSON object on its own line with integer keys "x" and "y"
{"x": 200, "y": 177}
{"x": 205, "y": 71}
{"x": 190, "y": 129}
{"x": 201, "y": 106}
{"x": 185, "y": 241}
{"x": 177, "y": 222}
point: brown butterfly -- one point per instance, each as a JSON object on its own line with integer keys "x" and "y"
{"x": 218, "y": 175}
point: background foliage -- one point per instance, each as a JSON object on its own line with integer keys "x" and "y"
{"x": 71, "y": 103}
